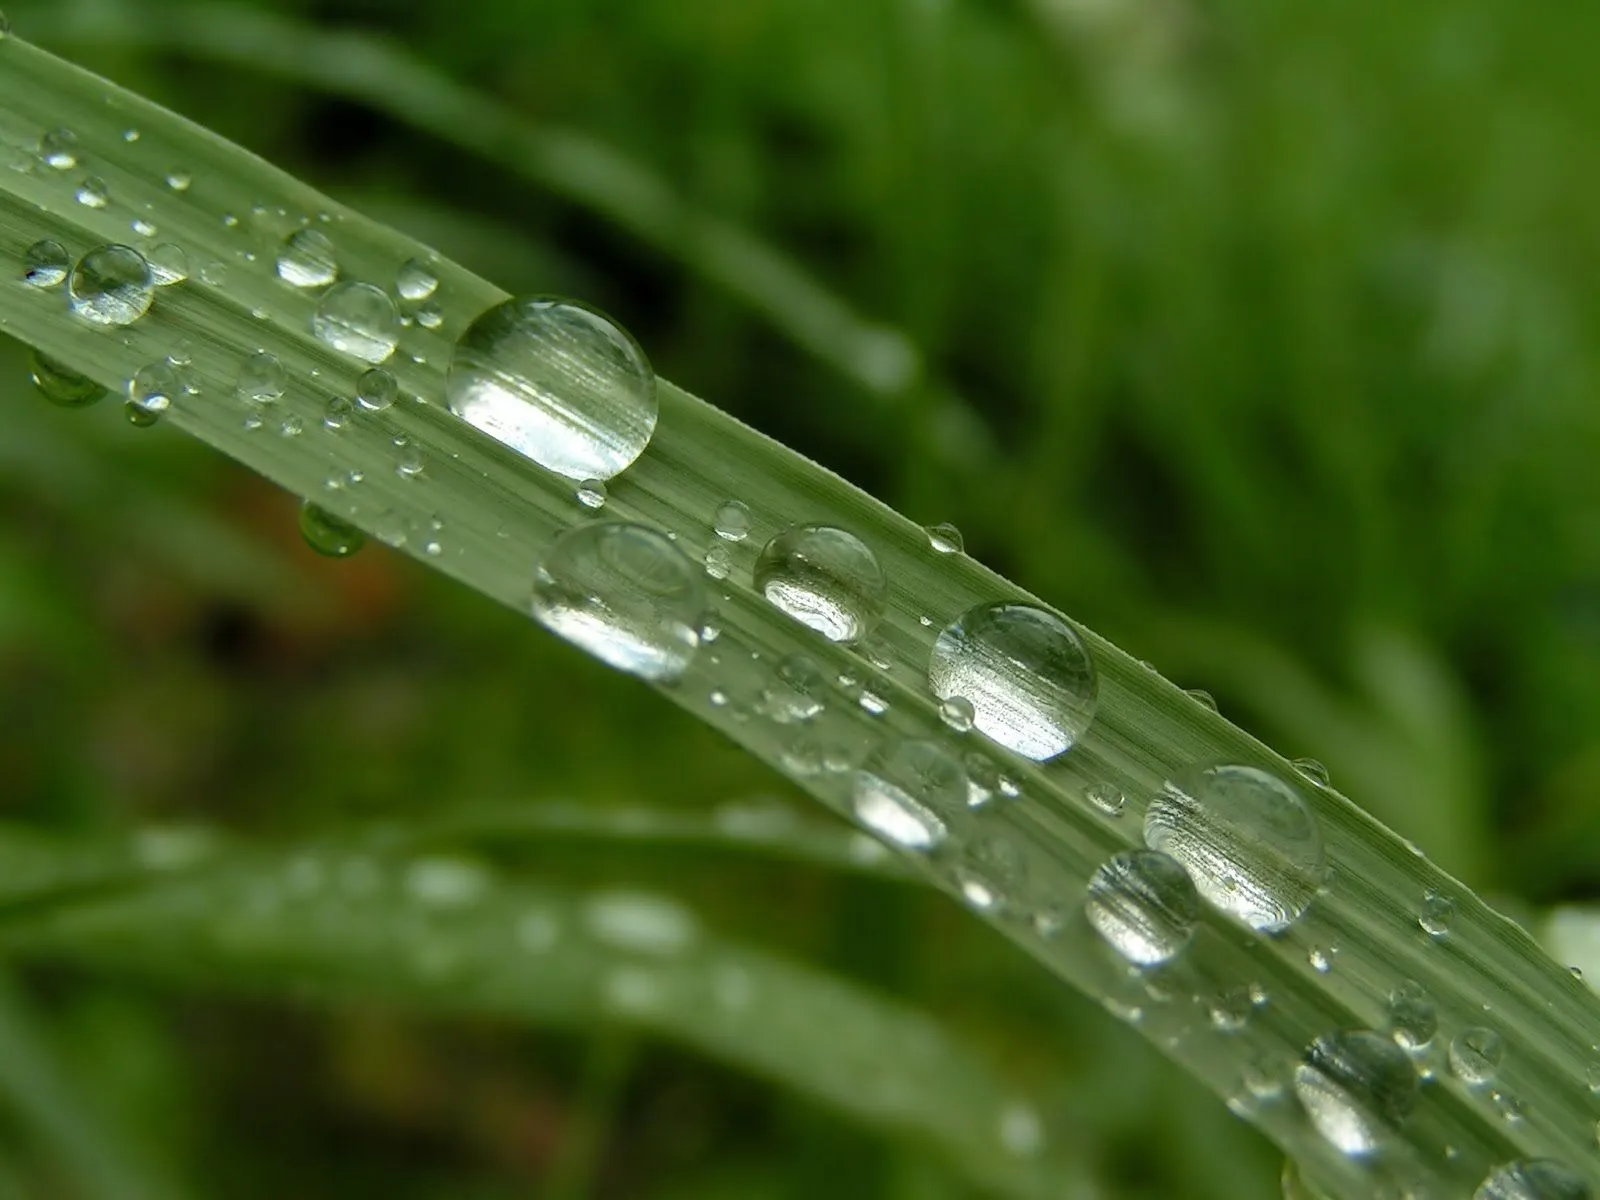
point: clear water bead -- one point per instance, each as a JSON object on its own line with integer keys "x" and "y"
{"x": 557, "y": 382}
{"x": 902, "y": 789}
{"x": 625, "y": 594}
{"x": 1108, "y": 798}
{"x": 732, "y": 521}
{"x": 591, "y": 493}
{"x": 824, "y": 577}
{"x": 957, "y": 714}
{"x": 416, "y": 281}
{"x": 60, "y": 384}
{"x": 179, "y": 180}
{"x": 376, "y": 390}
{"x": 169, "y": 264}
{"x": 151, "y": 392}
{"x": 59, "y": 149}
{"x": 45, "y": 264}
{"x": 93, "y": 193}
{"x": 327, "y": 534}
{"x": 1144, "y": 904}
{"x": 262, "y": 378}
{"x": 1533, "y": 1179}
{"x": 307, "y": 259}
{"x": 1475, "y": 1055}
{"x": 1413, "y": 1021}
{"x": 359, "y": 320}
{"x": 1026, "y": 673}
{"x": 1437, "y": 915}
{"x": 111, "y": 286}
{"x": 945, "y": 538}
{"x": 1358, "y": 1088}
{"x": 991, "y": 873}
{"x": 1247, "y": 838}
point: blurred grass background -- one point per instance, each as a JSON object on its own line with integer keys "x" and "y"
{"x": 1261, "y": 337}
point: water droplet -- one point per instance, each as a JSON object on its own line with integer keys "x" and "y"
{"x": 872, "y": 703}
{"x": 143, "y": 228}
{"x": 1438, "y": 913}
{"x": 639, "y": 922}
{"x": 1321, "y": 960}
{"x": 625, "y": 594}
{"x": 408, "y": 465}
{"x": 945, "y": 538}
{"x": 557, "y": 382}
{"x": 1358, "y": 1088}
{"x": 1230, "y": 1010}
{"x": 336, "y": 413}
{"x": 416, "y": 281}
{"x": 718, "y": 562}
{"x": 1313, "y": 770}
{"x": 45, "y": 264}
{"x": 359, "y": 320}
{"x": 1202, "y": 697}
{"x": 797, "y": 696}
{"x": 214, "y": 273}
{"x": 1144, "y": 904}
{"x": 592, "y": 493}
{"x": 376, "y": 390}
{"x": 60, "y": 384}
{"x": 956, "y": 712}
{"x": 307, "y": 259}
{"x": 1475, "y": 1055}
{"x": 179, "y": 180}
{"x": 1412, "y": 1019}
{"x": 824, "y": 577}
{"x": 169, "y": 264}
{"x": 150, "y": 394}
{"x": 439, "y": 882}
{"x": 111, "y": 285}
{"x": 1021, "y": 1130}
{"x": 1026, "y": 672}
{"x": 59, "y": 149}
{"x": 262, "y": 378}
{"x": 1248, "y": 839}
{"x": 130, "y": 135}
{"x": 1533, "y": 1179}
{"x": 732, "y": 521}
{"x": 93, "y": 192}
{"x": 991, "y": 868}
{"x": 1108, "y": 798}
{"x": 430, "y": 315}
{"x": 903, "y": 787}
{"x": 328, "y": 534}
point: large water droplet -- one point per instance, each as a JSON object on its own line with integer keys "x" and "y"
{"x": 359, "y": 320}
{"x": 825, "y": 578}
{"x": 1358, "y": 1088}
{"x": 45, "y": 264}
{"x": 1247, "y": 838}
{"x": 902, "y": 788}
{"x": 557, "y": 382}
{"x": 307, "y": 259}
{"x": 60, "y": 384}
{"x": 1475, "y": 1055}
{"x": 1026, "y": 673}
{"x": 150, "y": 394}
{"x": 111, "y": 285}
{"x": 1412, "y": 1018}
{"x": 327, "y": 534}
{"x": 1144, "y": 904}
{"x": 1533, "y": 1179}
{"x": 625, "y": 594}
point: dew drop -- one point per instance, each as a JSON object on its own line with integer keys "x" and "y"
{"x": 990, "y": 872}
{"x": 130, "y": 135}
{"x": 957, "y": 714}
{"x": 336, "y": 413}
{"x": 903, "y": 787}
{"x": 1202, "y": 697}
{"x": 416, "y": 281}
{"x": 144, "y": 228}
{"x": 262, "y": 378}
{"x": 718, "y": 562}
{"x": 1230, "y": 1010}
{"x": 408, "y": 465}
{"x": 732, "y": 521}
{"x": 60, "y": 384}
{"x": 1321, "y": 960}
{"x": 376, "y": 390}
{"x": 430, "y": 315}
{"x": 1025, "y": 671}
{"x": 169, "y": 264}
{"x": 1475, "y": 1055}
{"x": 945, "y": 538}
{"x": 1108, "y": 798}
{"x": 307, "y": 259}
{"x": 59, "y": 149}
{"x": 872, "y": 703}
{"x": 358, "y": 319}
{"x": 93, "y": 193}
{"x": 1313, "y": 770}
{"x": 179, "y": 180}
{"x": 639, "y": 922}
{"x": 1412, "y": 1018}
{"x": 625, "y": 594}
{"x": 557, "y": 382}
{"x": 1248, "y": 839}
{"x": 111, "y": 286}
{"x": 1437, "y": 915}
{"x": 1533, "y": 1179}
{"x": 45, "y": 264}
{"x": 327, "y": 534}
{"x": 1144, "y": 904}
{"x": 150, "y": 394}
{"x": 591, "y": 493}
{"x": 824, "y": 577}
{"x": 1358, "y": 1088}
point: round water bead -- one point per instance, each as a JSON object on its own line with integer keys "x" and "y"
{"x": 169, "y": 264}
{"x": 1533, "y": 1179}
{"x": 59, "y": 149}
{"x": 957, "y": 714}
{"x": 824, "y": 577}
{"x": 376, "y": 390}
{"x": 1026, "y": 673}
{"x": 591, "y": 493}
{"x": 1412, "y": 1018}
{"x": 60, "y": 384}
{"x": 93, "y": 193}
{"x": 307, "y": 259}
{"x": 1247, "y": 838}
{"x": 557, "y": 382}
{"x": 111, "y": 286}
{"x": 150, "y": 394}
{"x": 945, "y": 538}
{"x": 416, "y": 281}
{"x": 1475, "y": 1055}
{"x": 732, "y": 521}
{"x": 1358, "y": 1088}
{"x": 358, "y": 319}
{"x": 1144, "y": 904}
{"x": 328, "y": 534}
{"x": 1437, "y": 915}
{"x": 992, "y": 873}
{"x": 262, "y": 378}
{"x": 45, "y": 264}
{"x": 624, "y": 593}
{"x": 903, "y": 787}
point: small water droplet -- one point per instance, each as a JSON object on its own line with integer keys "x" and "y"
{"x": 358, "y": 319}
{"x": 130, "y": 135}
{"x": 1438, "y": 913}
{"x": 179, "y": 180}
{"x": 376, "y": 390}
{"x": 872, "y": 703}
{"x": 992, "y": 869}
{"x": 718, "y": 562}
{"x": 1230, "y": 1010}
{"x": 1412, "y": 1018}
{"x": 262, "y": 378}
{"x": 557, "y": 382}
{"x": 45, "y": 264}
{"x": 292, "y": 426}
{"x": 1358, "y": 1088}
{"x": 824, "y": 577}
{"x": 430, "y": 315}
{"x": 732, "y": 521}
{"x": 1108, "y": 798}
{"x": 336, "y": 413}
{"x": 111, "y": 286}
{"x": 903, "y": 787}
{"x": 408, "y": 465}
{"x": 625, "y": 594}
{"x": 214, "y": 274}
{"x": 1321, "y": 960}
{"x": 1026, "y": 672}
{"x": 327, "y": 534}
{"x": 1248, "y": 839}
{"x": 416, "y": 281}
{"x": 639, "y": 922}
{"x": 93, "y": 192}
{"x": 591, "y": 493}
{"x": 143, "y": 228}
{"x": 1202, "y": 697}
{"x": 1313, "y": 770}
{"x": 169, "y": 264}
{"x": 446, "y": 883}
{"x": 956, "y": 713}
{"x": 60, "y": 384}
{"x": 945, "y": 538}
{"x": 59, "y": 149}
{"x": 1533, "y": 1179}
{"x": 150, "y": 394}
{"x": 1144, "y": 904}
{"x": 1475, "y": 1055}
{"x": 307, "y": 259}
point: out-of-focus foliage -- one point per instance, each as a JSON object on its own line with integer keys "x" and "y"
{"x": 1272, "y": 328}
